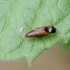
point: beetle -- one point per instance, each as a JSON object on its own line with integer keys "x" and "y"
{"x": 41, "y": 31}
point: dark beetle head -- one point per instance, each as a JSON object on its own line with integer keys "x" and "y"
{"x": 51, "y": 29}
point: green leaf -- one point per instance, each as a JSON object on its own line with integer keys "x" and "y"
{"x": 17, "y": 17}
{"x": 66, "y": 46}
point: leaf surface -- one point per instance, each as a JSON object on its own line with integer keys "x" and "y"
{"x": 17, "y": 17}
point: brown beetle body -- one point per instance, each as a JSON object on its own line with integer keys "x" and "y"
{"x": 41, "y": 31}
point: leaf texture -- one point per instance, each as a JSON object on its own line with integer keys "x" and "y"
{"x": 17, "y": 17}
